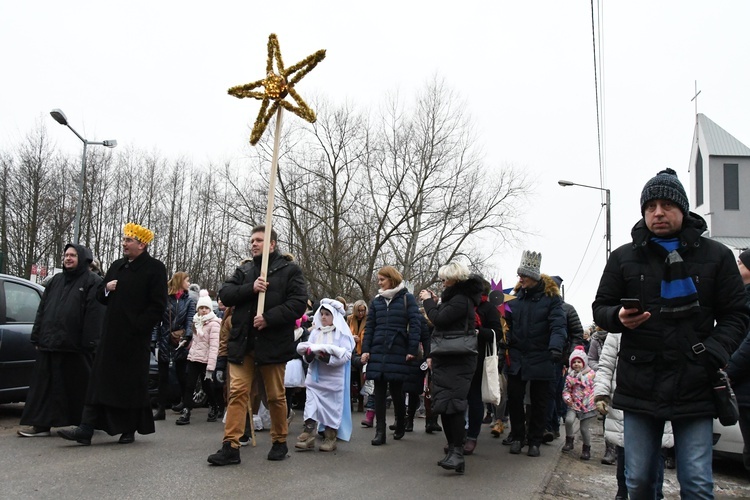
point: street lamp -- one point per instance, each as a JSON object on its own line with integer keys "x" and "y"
{"x": 606, "y": 204}
{"x": 60, "y": 118}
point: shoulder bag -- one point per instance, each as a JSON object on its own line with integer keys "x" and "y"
{"x": 454, "y": 342}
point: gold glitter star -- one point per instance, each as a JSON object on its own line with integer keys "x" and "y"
{"x": 277, "y": 86}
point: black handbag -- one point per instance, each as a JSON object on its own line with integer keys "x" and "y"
{"x": 454, "y": 342}
{"x": 725, "y": 401}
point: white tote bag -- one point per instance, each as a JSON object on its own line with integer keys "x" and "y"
{"x": 490, "y": 375}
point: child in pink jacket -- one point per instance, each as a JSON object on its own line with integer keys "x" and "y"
{"x": 202, "y": 358}
{"x": 579, "y": 396}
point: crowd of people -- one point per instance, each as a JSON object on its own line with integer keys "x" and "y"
{"x": 671, "y": 311}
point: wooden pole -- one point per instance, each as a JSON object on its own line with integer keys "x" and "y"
{"x": 269, "y": 209}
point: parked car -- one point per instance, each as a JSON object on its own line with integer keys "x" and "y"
{"x": 19, "y": 300}
{"x": 728, "y": 441}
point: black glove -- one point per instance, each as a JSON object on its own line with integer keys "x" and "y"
{"x": 711, "y": 363}
{"x": 555, "y": 355}
{"x": 502, "y": 345}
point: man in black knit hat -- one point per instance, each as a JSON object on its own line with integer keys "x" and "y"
{"x": 691, "y": 318}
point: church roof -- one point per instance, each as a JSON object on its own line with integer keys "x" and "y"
{"x": 719, "y": 141}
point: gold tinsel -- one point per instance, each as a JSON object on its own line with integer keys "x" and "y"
{"x": 140, "y": 233}
{"x": 277, "y": 86}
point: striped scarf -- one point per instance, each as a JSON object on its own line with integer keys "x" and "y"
{"x": 678, "y": 293}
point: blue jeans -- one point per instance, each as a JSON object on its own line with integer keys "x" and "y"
{"x": 693, "y": 440}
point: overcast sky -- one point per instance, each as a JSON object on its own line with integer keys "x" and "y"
{"x": 154, "y": 75}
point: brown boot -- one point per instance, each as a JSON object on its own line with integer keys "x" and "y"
{"x": 329, "y": 441}
{"x": 586, "y": 452}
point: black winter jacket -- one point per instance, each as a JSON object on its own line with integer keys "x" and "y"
{"x": 386, "y": 337}
{"x": 286, "y": 300}
{"x": 537, "y": 327}
{"x": 575, "y": 331}
{"x": 177, "y": 316}
{"x": 661, "y": 370}
{"x": 739, "y": 366}
{"x": 69, "y": 317}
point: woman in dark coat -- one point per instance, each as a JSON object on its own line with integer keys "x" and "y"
{"x": 178, "y": 316}
{"x": 66, "y": 330}
{"x": 452, "y": 374}
{"x": 390, "y": 343}
{"x": 490, "y": 330}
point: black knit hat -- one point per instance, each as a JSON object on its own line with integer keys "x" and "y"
{"x": 665, "y": 186}
{"x": 745, "y": 258}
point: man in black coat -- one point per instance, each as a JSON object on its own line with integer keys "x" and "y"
{"x": 260, "y": 343}
{"x": 135, "y": 293}
{"x": 66, "y": 330}
{"x": 692, "y": 316}
{"x": 738, "y": 368}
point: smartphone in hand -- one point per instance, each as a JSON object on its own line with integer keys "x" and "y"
{"x": 632, "y": 304}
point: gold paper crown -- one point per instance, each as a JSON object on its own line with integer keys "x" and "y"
{"x": 140, "y": 233}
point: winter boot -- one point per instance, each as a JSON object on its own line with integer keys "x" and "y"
{"x": 369, "y": 417}
{"x": 431, "y": 425}
{"x": 329, "y": 443}
{"x": 610, "y": 455}
{"x": 568, "y": 444}
{"x": 379, "y": 434}
{"x": 226, "y": 455}
{"x": 470, "y": 446}
{"x": 306, "y": 440}
{"x": 184, "y": 418}
{"x": 213, "y": 412}
{"x": 400, "y": 428}
{"x": 586, "y": 452}
{"x": 455, "y": 460}
{"x": 160, "y": 414}
{"x": 497, "y": 428}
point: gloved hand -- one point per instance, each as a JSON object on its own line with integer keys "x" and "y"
{"x": 502, "y": 345}
{"x": 323, "y": 356}
{"x": 309, "y": 356}
{"x": 602, "y": 404}
{"x": 220, "y": 376}
{"x": 209, "y": 375}
{"x": 556, "y": 355}
{"x": 711, "y": 363}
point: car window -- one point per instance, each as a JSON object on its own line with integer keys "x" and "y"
{"x": 21, "y": 303}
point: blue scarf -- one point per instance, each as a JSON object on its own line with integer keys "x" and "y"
{"x": 678, "y": 293}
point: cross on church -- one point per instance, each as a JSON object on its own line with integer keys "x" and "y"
{"x": 695, "y": 98}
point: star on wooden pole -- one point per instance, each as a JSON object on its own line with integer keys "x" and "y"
{"x": 276, "y": 87}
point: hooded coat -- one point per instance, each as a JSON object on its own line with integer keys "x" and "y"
{"x": 659, "y": 373}
{"x": 452, "y": 375}
{"x": 66, "y": 331}
{"x": 391, "y": 332}
{"x": 537, "y": 328}
{"x": 121, "y": 366}
{"x": 286, "y": 300}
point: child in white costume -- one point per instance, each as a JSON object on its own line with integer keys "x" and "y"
{"x": 328, "y": 351}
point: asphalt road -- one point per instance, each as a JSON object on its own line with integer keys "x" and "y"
{"x": 172, "y": 464}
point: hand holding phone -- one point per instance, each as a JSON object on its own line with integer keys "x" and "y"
{"x": 632, "y": 304}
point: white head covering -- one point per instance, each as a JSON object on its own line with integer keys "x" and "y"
{"x": 336, "y": 308}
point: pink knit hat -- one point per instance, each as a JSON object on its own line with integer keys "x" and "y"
{"x": 579, "y": 353}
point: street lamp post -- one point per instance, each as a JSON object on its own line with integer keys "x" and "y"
{"x": 606, "y": 206}
{"x": 60, "y": 118}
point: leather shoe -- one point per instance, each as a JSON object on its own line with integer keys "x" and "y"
{"x": 127, "y": 438}
{"x": 160, "y": 414}
{"x": 76, "y": 434}
{"x": 469, "y": 446}
{"x": 508, "y": 440}
{"x": 515, "y": 447}
{"x": 533, "y": 450}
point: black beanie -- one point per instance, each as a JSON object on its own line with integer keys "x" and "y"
{"x": 745, "y": 258}
{"x": 665, "y": 186}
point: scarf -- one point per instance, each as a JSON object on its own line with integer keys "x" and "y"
{"x": 391, "y": 292}
{"x": 679, "y": 297}
{"x": 199, "y": 321}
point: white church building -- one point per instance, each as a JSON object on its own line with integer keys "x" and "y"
{"x": 720, "y": 183}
